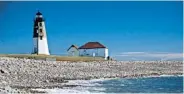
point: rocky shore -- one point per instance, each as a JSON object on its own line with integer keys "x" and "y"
{"x": 23, "y": 74}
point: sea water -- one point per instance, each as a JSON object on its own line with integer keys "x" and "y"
{"x": 164, "y": 84}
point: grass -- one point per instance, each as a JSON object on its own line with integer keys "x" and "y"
{"x": 57, "y": 58}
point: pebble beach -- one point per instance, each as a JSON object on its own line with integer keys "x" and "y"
{"x": 21, "y": 75}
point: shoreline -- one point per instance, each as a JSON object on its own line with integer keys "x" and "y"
{"x": 103, "y": 79}
{"x": 91, "y": 81}
{"x": 78, "y": 82}
{"x": 23, "y": 74}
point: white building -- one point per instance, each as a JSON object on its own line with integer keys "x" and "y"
{"x": 40, "y": 36}
{"x": 94, "y": 49}
{"x": 73, "y": 51}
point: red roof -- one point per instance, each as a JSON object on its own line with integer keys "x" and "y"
{"x": 92, "y": 45}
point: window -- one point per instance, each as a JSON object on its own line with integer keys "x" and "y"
{"x": 40, "y": 24}
{"x": 41, "y": 37}
{"x": 40, "y": 30}
{"x": 35, "y": 50}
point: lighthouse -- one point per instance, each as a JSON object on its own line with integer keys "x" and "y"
{"x": 40, "y": 44}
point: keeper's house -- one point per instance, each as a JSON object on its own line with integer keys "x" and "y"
{"x": 94, "y": 49}
{"x": 91, "y": 49}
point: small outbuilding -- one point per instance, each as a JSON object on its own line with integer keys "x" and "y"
{"x": 73, "y": 51}
{"x": 94, "y": 49}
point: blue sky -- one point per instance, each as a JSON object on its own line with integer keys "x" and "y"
{"x": 124, "y": 27}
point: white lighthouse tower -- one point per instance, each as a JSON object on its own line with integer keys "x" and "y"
{"x": 40, "y": 36}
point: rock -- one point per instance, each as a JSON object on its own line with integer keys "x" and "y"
{"x": 56, "y": 80}
{"x": 2, "y": 71}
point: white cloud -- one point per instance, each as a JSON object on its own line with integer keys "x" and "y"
{"x": 151, "y": 55}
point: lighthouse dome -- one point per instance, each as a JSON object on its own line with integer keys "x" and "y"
{"x": 38, "y": 13}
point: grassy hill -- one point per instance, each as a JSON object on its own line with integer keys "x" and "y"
{"x": 55, "y": 57}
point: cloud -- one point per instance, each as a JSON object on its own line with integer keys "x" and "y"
{"x": 150, "y": 56}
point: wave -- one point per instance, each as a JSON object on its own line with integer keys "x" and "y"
{"x": 84, "y": 87}
{"x": 77, "y": 90}
{"x": 171, "y": 75}
{"x": 63, "y": 91}
{"x": 87, "y": 82}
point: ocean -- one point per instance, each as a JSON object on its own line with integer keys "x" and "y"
{"x": 162, "y": 84}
